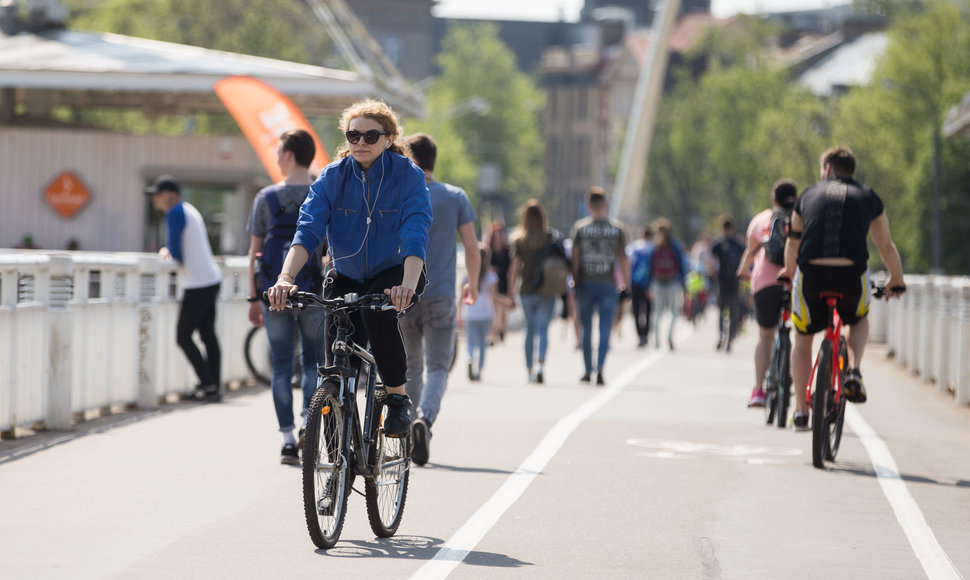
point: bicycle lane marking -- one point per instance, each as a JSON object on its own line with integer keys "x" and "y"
{"x": 456, "y": 549}
{"x": 931, "y": 555}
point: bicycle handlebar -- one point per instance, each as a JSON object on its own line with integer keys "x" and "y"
{"x": 883, "y": 291}
{"x": 382, "y": 302}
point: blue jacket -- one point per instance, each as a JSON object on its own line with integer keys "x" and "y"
{"x": 371, "y": 220}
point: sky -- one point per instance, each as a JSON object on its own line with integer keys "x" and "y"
{"x": 552, "y": 9}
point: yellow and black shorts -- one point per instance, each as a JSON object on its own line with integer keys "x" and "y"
{"x": 809, "y": 312}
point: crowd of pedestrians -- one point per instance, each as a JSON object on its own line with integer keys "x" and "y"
{"x": 310, "y": 233}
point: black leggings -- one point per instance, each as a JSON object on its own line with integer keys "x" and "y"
{"x": 198, "y": 312}
{"x": 380, "y": 328}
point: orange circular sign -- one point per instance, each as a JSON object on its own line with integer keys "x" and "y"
{"x": 67, "y": 194}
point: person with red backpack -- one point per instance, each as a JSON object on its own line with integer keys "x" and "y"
{"x": 763, "y": 259}
{"x": 272, "y": 225}
{"x": 668, "y": 278}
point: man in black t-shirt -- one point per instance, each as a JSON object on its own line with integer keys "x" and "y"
{"x": 727, "y": 252}
{"x": 827, "y": 244}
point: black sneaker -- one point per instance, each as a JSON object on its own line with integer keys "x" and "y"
{"x": 599, "y": 379}
{"x": 290, "y": 455}
{"x": 800, "y": 422}
{"x": 855, "y": 390}
{"x": 584, "y": 378}
{"x": 397, "y": 421}
{"x": 420, "y": 439}
{"x": 539, "y": 378}
{"x": 208, "y": 394}
{"x": 471, "y": 373}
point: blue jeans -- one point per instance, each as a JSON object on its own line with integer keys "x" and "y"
{"x": 281, "y": 327}
{"x": 666, "y": 297}
{"x": 603, "y": 298}
{"x": 538, "y": 314}
{"x": 429, "y": 338}
{"x": 476, "y": 335}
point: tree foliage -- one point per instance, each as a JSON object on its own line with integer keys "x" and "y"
{"x": 722, "y": 139}
{"x": 475, "y": 63}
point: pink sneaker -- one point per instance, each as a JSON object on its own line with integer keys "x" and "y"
{"x": 757, "y": 398}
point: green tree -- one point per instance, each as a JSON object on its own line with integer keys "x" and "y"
{"x": 708, "y": 156}
{"x": 891, "y": 126}
{"x": 475, "y": 63}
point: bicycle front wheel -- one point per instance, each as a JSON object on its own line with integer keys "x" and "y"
{"x": 326, "y": 479}
{"x": 820, "y": 405}
{"x": 387, "y": 489}
{"x": 837, "y": 410}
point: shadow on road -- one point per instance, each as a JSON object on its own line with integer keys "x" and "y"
{"x": 415, "y": 548}
{"x": 459, "y": 469}
{"x": 866, "y": 470}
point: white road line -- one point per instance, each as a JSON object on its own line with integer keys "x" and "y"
{"x": 455, "y": 550}
{"x": 931, "y": 556}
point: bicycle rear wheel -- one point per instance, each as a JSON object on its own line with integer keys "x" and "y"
{"x": 784, "y": 381}
{"x": 820, "y": 405}
{"x": 387, "y": 491}
{"x": 326, "y": 478}
{"x": 837, "y": 411}
{"x": 770, "y": 387}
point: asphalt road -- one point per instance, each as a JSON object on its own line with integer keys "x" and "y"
{"x": 663, "y": 473}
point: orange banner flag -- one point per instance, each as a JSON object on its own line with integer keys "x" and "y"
{"x": 263, "y": 113}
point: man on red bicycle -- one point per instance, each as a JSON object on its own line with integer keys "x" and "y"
{"x": 826, "y": 252}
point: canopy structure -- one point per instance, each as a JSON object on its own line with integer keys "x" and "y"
{"x": 84, "y": 69}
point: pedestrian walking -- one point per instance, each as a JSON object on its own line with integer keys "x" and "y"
{"x": 532, "y": 242}
{"x": 188, "y": 244}
{"x": 598, "y": 251}
{"x": 501, "y": 262}
{"x": 429, "y": 327}
{"x": 639, "y": 253}
{"x": 272, "y": 225}
{"x": 668, "y": 278}
{"x": 476, "y": 318}
{"x": 727, "y": 252}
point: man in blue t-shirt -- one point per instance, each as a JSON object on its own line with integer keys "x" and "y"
{"x": 429, "y": 327}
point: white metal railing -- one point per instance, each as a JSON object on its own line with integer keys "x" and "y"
{"x": 928, "y": 331}
{"x": 82, "y": 331}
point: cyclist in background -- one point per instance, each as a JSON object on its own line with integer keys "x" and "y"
{"x": 373, "y": 206}
{"x": 826, "y": 252}
{"x": 768, "y": 293}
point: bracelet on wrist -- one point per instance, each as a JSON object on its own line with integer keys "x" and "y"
{"x": 284, "y": 274}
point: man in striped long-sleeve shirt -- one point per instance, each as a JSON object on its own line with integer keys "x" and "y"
{"x": 188, "y": 244}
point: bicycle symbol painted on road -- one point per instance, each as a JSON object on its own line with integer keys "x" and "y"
{"x": 753, "y": 454}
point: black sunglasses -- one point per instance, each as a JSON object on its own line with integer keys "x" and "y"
{"x": 370, "y": 137}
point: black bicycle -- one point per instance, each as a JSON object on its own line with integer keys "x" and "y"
{"x": 338, "y": 444}
{"x": 777, "y": 383}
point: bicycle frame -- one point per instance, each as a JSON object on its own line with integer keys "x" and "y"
{"x": 832, "y": 334}
{"x": 344, "y": 349}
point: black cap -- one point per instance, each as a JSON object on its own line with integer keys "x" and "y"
{"x": 163, "y": 183}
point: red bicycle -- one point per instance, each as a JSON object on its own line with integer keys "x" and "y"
{"x": 828, "y": 400}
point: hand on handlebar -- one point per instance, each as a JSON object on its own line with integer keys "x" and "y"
{"x": 278, "y": 293}
{"x": 400, "y": 296}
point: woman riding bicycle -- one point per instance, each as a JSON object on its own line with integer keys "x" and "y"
{"x": 763, "y": 273}
{"x": 827, "y": 242}
{"x": 374, "y": 208}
